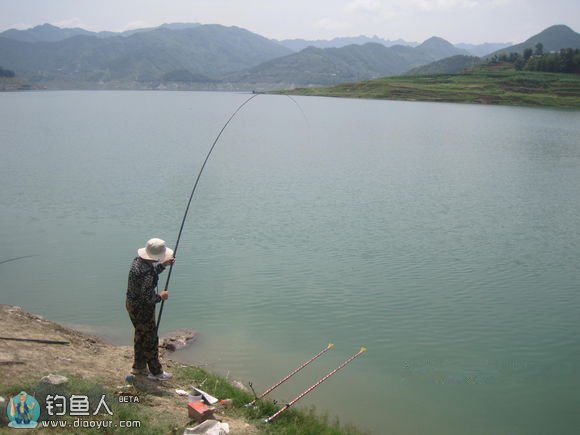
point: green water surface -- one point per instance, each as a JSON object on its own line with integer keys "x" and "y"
{"x": 445, "y": 238}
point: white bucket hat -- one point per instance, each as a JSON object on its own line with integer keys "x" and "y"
{"x": 155, "y": 250}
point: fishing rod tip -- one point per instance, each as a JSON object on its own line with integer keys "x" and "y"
{"x": 330, "y": 345}
{"x": 363, "y": 349}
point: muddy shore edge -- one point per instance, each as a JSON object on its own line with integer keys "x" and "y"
{"x": 32, "y": 348}
{"x": 27, "y": 354}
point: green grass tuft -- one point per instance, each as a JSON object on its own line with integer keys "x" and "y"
{"x": 292, "y": 421}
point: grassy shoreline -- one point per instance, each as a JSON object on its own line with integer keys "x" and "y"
{"x": 95, "y": 368}
{"x": 481, "y": 86}
{"x": 154, "y": 418}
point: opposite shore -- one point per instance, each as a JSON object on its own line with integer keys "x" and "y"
{"x": 500, "y": 87}
{"x": 490, "y": 86}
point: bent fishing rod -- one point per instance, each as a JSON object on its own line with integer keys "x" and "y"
{"x": 288, "y": 376}
{"x": 191, "y": 197}
{"x": 308, "y": 390}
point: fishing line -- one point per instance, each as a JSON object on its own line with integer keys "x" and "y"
{"x": 197, "y": 181}
{"x": 301, "y": 111}
{"x": 16, "y": 258}
{"x": 191, "y": 197}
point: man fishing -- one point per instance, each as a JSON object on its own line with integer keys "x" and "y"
{"x": 141, "y": 300}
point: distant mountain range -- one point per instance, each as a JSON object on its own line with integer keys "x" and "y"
{"x": 329, "y": 66}
{"x": 553, "y": 38}
{"x": 44, "y": 33}
{"x": 200, "y": 56}
{"x": 139, "y": 57}
{"x": 50, "y": 33}
{"x": 301, "y": 44}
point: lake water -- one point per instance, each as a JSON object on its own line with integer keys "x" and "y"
{"x": 445, "y": 238}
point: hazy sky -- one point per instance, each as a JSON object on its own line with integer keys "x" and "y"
{"x": 473, "y": 21}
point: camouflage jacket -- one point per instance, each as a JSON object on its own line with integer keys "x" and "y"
{"x": 143, "y": 278}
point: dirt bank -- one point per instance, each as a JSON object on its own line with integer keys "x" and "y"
{"x": 86, "y": 356}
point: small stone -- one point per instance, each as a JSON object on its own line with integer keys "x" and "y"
{"x": 54, "y": 379}
{"x": 177, "y": 339}
{"x": 208, "y": 427}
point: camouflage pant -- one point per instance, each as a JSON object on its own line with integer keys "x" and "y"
{"x": 146, "y": 341}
